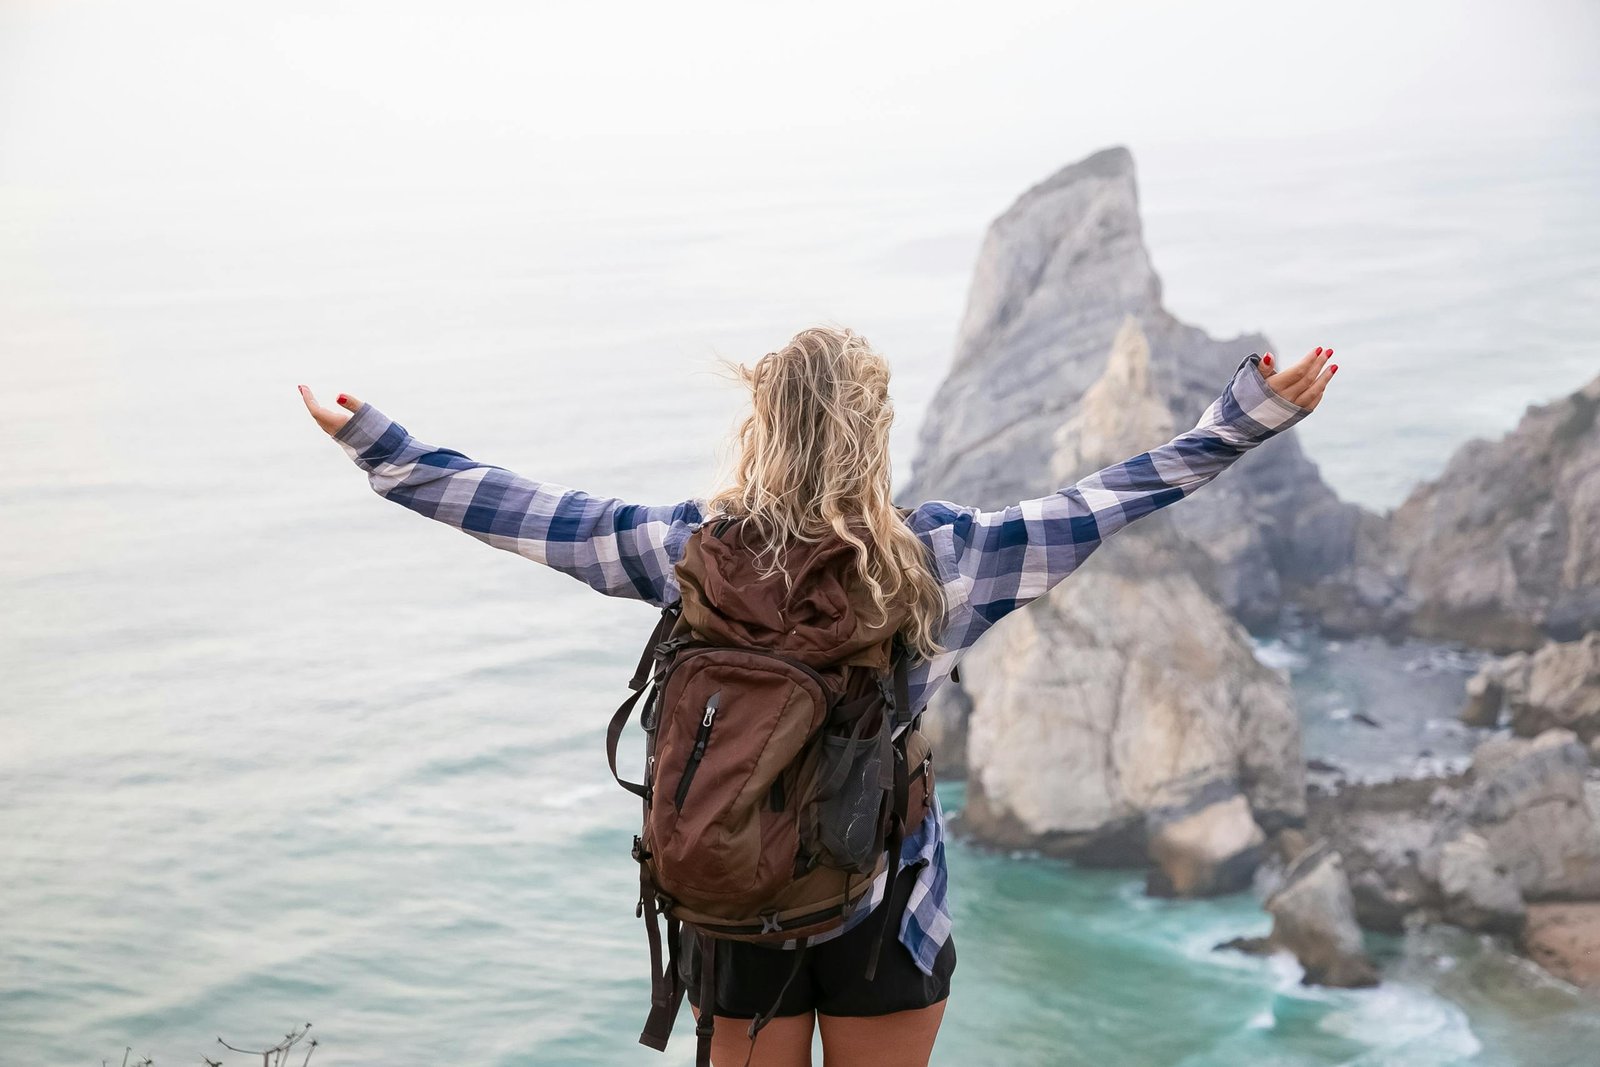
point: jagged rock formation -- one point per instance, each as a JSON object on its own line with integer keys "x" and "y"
{"x": 1125, "y": 715}
{"x": 1313, "y": 916}
{"x": 1516, "y": 828}
{"x": 1476, "y": 890}
{"x": 1557, "y": 687}
{"x": 1381, "y": 831}
{"x": 1527, "y": 801}
{"x": 1502, "y": 551}
{"x": 1059, "y": 275}
{"x": 1122, "y": 718}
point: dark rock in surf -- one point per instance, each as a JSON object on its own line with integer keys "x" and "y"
{"x": 1314, "y": 917}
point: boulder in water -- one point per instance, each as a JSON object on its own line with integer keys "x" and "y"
{"x": 1213, "y": 846}
{"x": 1314, "y": 917}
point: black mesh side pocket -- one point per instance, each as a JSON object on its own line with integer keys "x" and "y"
{"x": 857, "y": 778}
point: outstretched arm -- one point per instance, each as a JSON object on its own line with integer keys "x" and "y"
{"x": 623, "y": 550}
{"x": 993, "y": 562}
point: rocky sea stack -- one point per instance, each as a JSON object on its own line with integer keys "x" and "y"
{"x": 1123, "y": 719}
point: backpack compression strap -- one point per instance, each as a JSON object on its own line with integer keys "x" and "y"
{"x": 666, "y": 984}
{"x": 641, "y": 675}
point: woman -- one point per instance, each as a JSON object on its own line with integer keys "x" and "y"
{"x": 813, "y": 454}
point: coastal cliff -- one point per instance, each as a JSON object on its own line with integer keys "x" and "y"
{"x": 1502, "y": 550}
{"x": 1123, "y": 719}
{"x": 1058, "y": 276}
{"x": 1124, "y": 715}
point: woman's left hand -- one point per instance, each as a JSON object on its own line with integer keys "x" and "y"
{"x": 1303, "y": 383}
{"x": 332, "y": 420}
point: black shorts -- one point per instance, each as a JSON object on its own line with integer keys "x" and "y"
{"x": 832, "y": 978}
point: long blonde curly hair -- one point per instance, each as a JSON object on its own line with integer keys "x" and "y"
{"x": 813, "y": 459}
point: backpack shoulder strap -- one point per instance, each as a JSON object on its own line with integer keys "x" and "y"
{"x": 663, "y": 630}
{"x": 900, "y": 660}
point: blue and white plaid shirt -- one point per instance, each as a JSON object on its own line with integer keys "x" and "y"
{"x": 989, "y": 562}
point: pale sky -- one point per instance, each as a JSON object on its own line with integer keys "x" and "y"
{"x": 161, "y": 93}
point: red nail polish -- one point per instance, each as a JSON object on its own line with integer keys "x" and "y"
{"x": 1267, "y": 360}
{"x": 1332, "y": 369}
{"x": 341, "y": 398}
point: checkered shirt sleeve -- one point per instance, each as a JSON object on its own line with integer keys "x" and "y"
{"x": 623, "y": 550}
{"x": 993, "y": 562}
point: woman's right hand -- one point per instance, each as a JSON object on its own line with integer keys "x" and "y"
{"x": 331, "y": 420}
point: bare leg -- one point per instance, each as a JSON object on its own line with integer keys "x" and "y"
{"x": 783, "y": 1042}
{"x": 904, "y": 1039}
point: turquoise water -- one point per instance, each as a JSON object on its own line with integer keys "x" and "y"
{"x": 272, "y": 749}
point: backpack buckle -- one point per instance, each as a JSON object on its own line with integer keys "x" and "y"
{"x": 769, "y": 923}
{"x": 671, "y": 645}
{"x": 640, "y": 853}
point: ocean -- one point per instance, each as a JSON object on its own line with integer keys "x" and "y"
{"x": 275, "y": 750}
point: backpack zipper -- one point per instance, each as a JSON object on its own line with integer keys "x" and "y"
{"x": 804, "y": 668}
{"x": 701, "y": 736}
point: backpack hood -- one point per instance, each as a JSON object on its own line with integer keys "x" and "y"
{"x": 825, "y": 618}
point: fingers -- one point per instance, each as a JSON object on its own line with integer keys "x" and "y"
{"x": 330, "y": 419}
{"x": 1308, "y": 367}
{"x": 1303, "y": 383}
{"x": 1313, "y": 392}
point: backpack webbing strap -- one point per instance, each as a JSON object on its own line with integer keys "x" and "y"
{"x": 801, "y": 950}
{"x": 901, "y": 800}
{"x": 641, "y": 675}
{"x": 706, "y": 1023}
{"x": 663, "y": 630}
{"x": 614, "y": 735}
{"x": 885, "y": 924}
{"x": 902, "y": 689}
{"x": 666, "y": 984}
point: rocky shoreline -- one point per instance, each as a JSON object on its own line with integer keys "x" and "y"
{"x": 1126, "y": 719}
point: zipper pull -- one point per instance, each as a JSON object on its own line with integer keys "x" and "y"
{"x": 711, "y": 708}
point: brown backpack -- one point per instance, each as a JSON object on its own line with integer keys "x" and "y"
{"x": 778, "y": 779}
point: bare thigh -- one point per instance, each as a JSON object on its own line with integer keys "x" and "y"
{"x": 904, "y": 1039}
{"x": 783, "y": 1042}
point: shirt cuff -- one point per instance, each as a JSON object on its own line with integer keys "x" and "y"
{"x": 369, "y": 436}
{"x": 1259, "y": 403}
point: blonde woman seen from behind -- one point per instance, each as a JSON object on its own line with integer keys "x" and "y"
{"x": 812, "y": 461}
